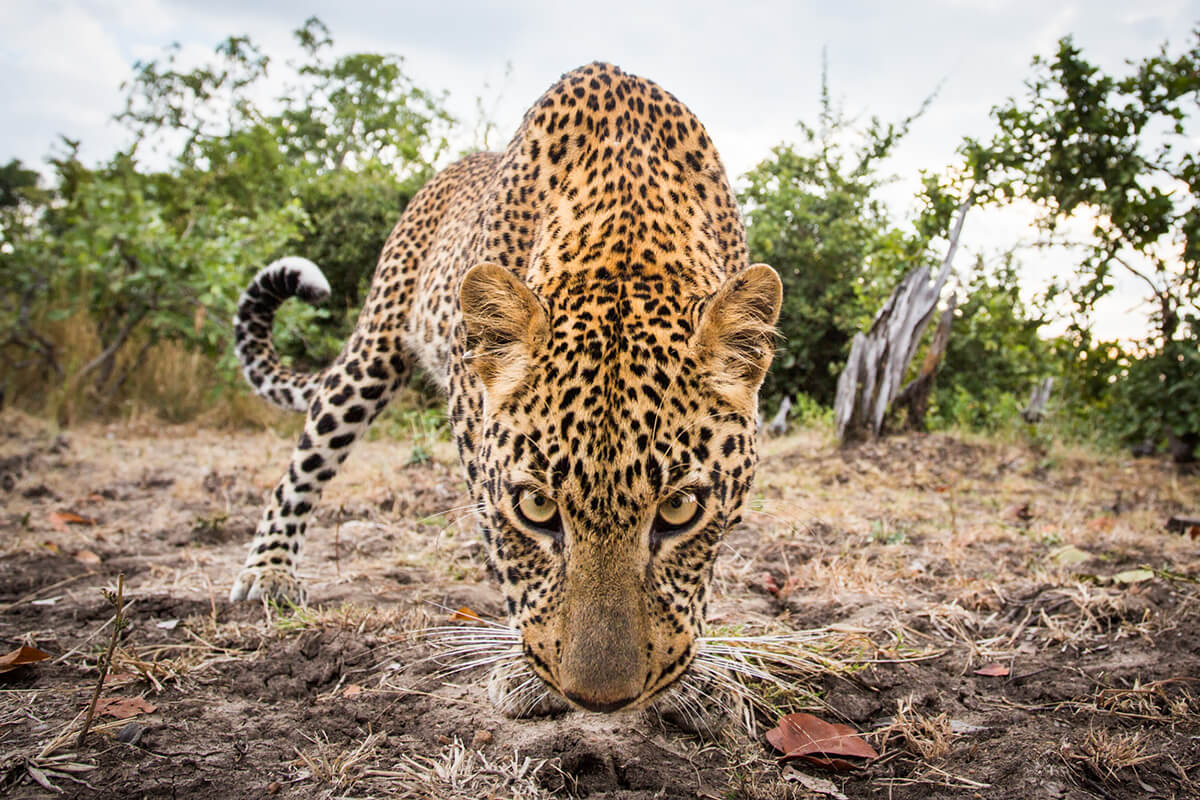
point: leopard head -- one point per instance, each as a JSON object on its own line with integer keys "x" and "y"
{"x": 617, "y": 447}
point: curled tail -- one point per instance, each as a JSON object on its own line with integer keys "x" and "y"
{"x": 287, "y": 277}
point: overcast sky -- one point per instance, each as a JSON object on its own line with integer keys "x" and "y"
{"x": 749, "y": 70}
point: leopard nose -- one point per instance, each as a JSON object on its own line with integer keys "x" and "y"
{"x": 594, "y": 704}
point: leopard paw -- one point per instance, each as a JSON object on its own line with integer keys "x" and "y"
{"x": 270, "y": 583}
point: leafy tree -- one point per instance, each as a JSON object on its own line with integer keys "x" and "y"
{"x": 148, "y": 256}
{"x": 360, "y": 108}
{"x": 994, "y": 353}
{"x": 813, "y": 212}
{"x": 142, "y": 278}
{"x": 1117, "y": 151}
{"x": 352, "y": 140}
{"x": 16, "y": 184}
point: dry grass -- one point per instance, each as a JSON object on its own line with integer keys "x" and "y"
{"x": 335, "y": 767}
{"x": 1105, "y": 754}
{"x": 162, "y": 380}
{"x": 925, "y": 736}
{"x": 898, "y": 569}
{"x": 460, "y": 773}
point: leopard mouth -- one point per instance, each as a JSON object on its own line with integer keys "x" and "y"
{"x": 656, "y": 687}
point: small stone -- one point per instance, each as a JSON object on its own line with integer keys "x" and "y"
{"x": 482, "y": 737}
{"x": 131, "y": 733}
{"x": 273, "y": 787}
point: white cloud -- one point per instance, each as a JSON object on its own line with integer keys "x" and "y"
{"x": 63, "y": 67}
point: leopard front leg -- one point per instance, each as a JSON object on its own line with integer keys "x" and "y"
{"x": 352, "y": 392}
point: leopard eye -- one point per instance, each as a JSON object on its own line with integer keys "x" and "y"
{"x": 677, "y": 511}
{"x": 536, "y": 508}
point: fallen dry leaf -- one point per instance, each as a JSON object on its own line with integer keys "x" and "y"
{"x": 812, "y": 783}
{"x": 1021, "y": 513}
{"x": 113, "y": 679}
{"x": 59, "y": 520}
{"x": 87, "y": 557}
{"x": 20, "y": 657}
{"x": 993, "y": 670}
{"x": 124, "y": 707}
{"x": 352, "y": 690}
{"x": 770, "y": 584}
{"x": 1133, "y": 576}
{"x": 819, "y": 742}
{"x": 1070, "y": 555}
{"x": 465, "y": 614}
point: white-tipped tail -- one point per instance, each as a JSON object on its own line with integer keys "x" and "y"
{"x": 292, "y": 276}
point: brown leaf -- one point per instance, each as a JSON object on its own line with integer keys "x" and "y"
{"x": 465, "y": 614}
{"x": 124, "y": 707}
{"x": 993, "y": 670}
{"x": 59, "y": 520}
{"x": 799, "y": 735}
{"x": 840, "y": 764}
{"x": 87, "y": 557}
{"x": 770, "y": 584}
{"x": 20, "y": 657}
{"x": 352, "y": 690}
{"x": 113, "y": 679}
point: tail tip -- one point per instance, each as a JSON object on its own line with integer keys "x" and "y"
{"x": 310, "y": 283}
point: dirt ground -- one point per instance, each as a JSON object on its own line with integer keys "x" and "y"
{"x": 900, "y": 568}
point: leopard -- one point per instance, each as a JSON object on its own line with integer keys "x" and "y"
{"x": 585, "y": 302}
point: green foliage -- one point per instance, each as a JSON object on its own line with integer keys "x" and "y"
{"x": 813, "y": 213}
{"x": 351, "y": 214}
{"x": 108, "y": 242}
{"x": 360, "y": 108}
{"x": 994, "y": 355}
{"x": 17, "y": 184}
{"x": 1118, "y": 152}
{"x": 152, "y": 256}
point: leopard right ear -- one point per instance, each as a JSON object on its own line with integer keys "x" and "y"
{"x": 504, "y": 322}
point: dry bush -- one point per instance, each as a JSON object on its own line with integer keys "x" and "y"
{"x": 926, "y": 736}
{"x": 1105, "y": 754}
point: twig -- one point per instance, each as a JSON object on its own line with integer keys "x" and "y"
{"x": 118, "y": 624}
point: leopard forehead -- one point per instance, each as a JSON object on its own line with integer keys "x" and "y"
{"x": 610, "y": 428}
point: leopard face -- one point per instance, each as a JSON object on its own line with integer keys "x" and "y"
{"x": 617, "y": 456}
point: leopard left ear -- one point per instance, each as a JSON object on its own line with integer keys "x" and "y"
{"x": 735, "y": 337}
{"x": 504, "y": 324}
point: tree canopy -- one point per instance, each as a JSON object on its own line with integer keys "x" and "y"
{"x": 106, "y": 264}
{"x": 1118, "y": 152}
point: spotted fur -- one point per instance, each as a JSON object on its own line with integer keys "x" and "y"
{"x": 585, "y": 302}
